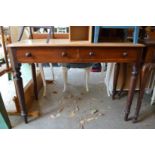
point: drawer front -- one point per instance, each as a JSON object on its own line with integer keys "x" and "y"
{"x": 109, "y": 55}
{"x": 47, "y": 55}
{"x": 77, "y": 54}
{"x": 150, "y": 56}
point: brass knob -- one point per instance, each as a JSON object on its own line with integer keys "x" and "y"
{"x": 64, "y": 54}
{"x": 91, "y": 53}
{"x": 28, "y": 54}
{"x": 125, "y": 54}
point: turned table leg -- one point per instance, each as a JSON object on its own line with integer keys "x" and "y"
{"x": 144, "y": 78}
{"x": 133, "y": 82}
{"x": 18, "y": 84}
{"x": 20, "y": 91}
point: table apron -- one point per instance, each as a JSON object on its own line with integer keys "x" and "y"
{"x": 77, "y": 54}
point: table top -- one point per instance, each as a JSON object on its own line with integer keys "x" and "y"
{"x": 68, "y": 43}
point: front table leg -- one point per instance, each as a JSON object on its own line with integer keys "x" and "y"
{"x": 133, "y": 82}
{"x": 20, "y": 90}
{"x": 144, "y": 79}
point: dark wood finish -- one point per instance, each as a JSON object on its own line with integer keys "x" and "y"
{"x": 116, "y": 73}
{"x": 149, "y": 64}
{"x": 34, "y": 79}
{"x": 144, "y": 77}
{"x": 133, "y": 81}
{"x": 124, "y": 79}
{"x": 28, "y": 54}
{"x": 74, "y": 52}
{"x": 18, "y": 84}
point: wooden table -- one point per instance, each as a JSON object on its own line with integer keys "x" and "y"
{"x": 64, "y": 51}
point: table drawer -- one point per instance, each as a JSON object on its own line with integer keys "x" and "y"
{"x": 110, "y": 55}
{"x": 77, "y": 54}
{"x": 47, "y": 55}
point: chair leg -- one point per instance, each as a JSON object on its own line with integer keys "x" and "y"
{"x": 65, "y": 77}
{"x": 43, "y": 78}
{"x": 52, "y": 69}
{"x": 87, "y": 73}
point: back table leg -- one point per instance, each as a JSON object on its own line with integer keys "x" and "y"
{"x": 34, "y": 79}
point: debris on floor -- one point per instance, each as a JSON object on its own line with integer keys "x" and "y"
{"x": 60, "y": 110}
{"x": 94, "y": 99}
{"x": 94, "y": 115}
{"x": 70, "y": 96}
{"x": 55, "y": 116}
{"x": 77, "y": 108}
{"x": 49, "y": 81}
{"x": 94, "y": 111}
{"x": 82, "y": 93}
{"x": 55, "y": 92}
{"x": 72, "y": 114}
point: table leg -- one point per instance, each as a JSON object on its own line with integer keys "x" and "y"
{"x": 144, "y": 78}
{"x": 124, "y": 65}
{"x": 34, "y": 78}
{"x": 133, "y": 82}
{"x": 20, "y": 91}
{"x": 116, "y": 74}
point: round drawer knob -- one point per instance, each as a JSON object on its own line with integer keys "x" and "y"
{"x": 91, "y": 53}
{"x": 28, "y": 54}
{"x": 63, "y": 54}
{"x": 125, "y": 54}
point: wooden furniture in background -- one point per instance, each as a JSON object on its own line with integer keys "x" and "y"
{"x": 61, "y": 50}
{"x": 80, "y": 33}
{"x": 7, "y": 68}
